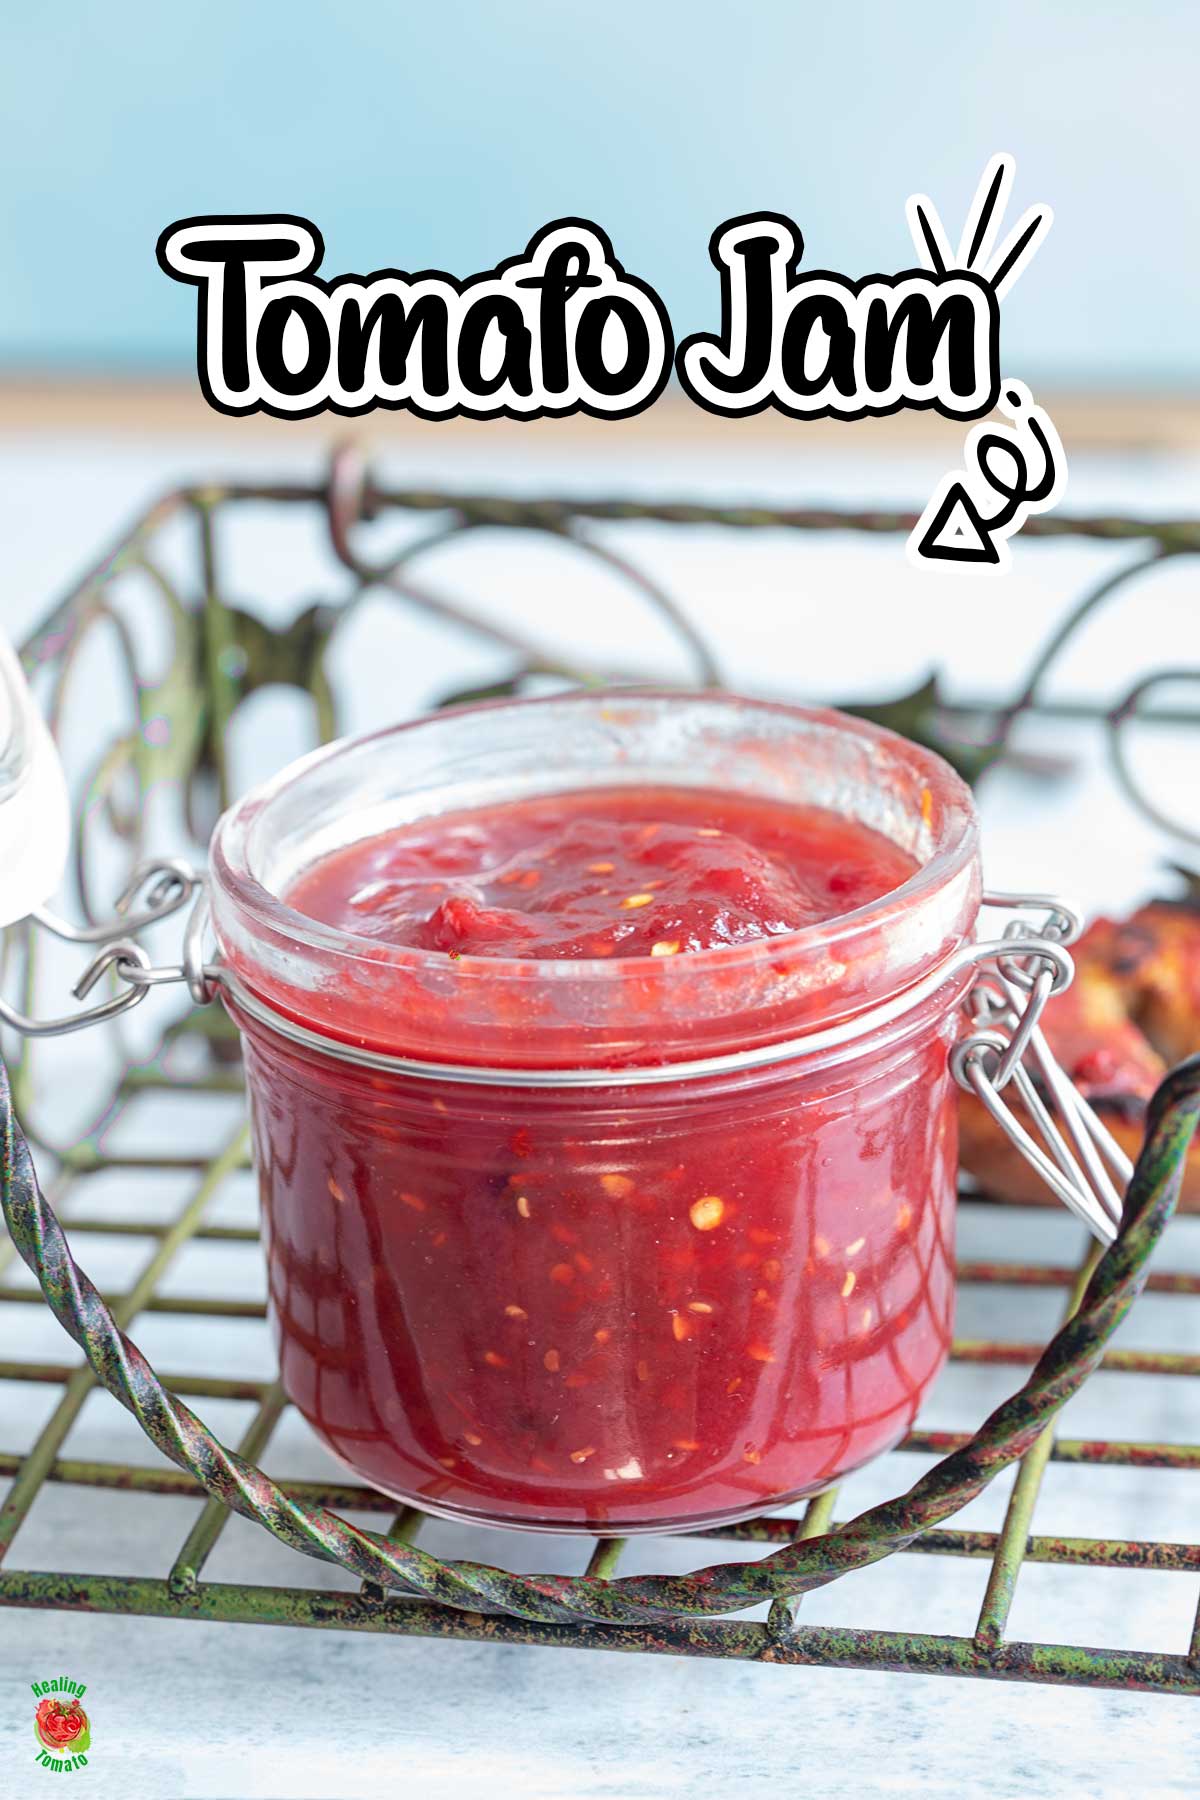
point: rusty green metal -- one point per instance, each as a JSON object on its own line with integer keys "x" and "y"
{"x": 221, "y": 655}
{"x": 1018, "y": 1518}
{"x": 821, "y": 1646}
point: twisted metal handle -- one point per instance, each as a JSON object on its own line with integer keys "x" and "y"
{"x": 1008, "y": 1433}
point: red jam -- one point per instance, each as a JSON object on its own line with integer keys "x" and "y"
{"x": 616, "y": 872}
{"x": 618, "y": 1307}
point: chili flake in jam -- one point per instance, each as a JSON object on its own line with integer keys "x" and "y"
{"x": 612, "y": 1307}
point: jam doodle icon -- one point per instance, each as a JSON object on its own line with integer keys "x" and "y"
{"x": 1010, "y": 471}
{"x": 60, "y": 1725}
{"x": 1022, "y": 467}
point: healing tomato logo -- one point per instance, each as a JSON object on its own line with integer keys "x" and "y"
{"x": 62, "y": 1726}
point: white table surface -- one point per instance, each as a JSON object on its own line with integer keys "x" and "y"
{"x": 208, "y": 1709}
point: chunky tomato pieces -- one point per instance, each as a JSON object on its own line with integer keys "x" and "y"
{"x": 619, "y": 872}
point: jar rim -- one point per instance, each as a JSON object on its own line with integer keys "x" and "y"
{"x": 955, "y": 845}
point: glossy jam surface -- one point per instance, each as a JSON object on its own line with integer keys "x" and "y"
{"x": 624, "y": 872}
{"x": 615, "y": 1307}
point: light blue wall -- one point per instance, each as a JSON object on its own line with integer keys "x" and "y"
{"x": 442, "y": 134}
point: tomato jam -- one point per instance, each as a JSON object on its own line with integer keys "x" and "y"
{"x": 617, "y": 872}
{"x": 604, "y": 1295}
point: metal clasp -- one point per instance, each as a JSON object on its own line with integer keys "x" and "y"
{"x": 160, "y": 888}
{"x": 1077, "y": 1157}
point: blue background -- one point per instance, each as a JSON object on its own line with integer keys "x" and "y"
{"x": 444, "y": 134}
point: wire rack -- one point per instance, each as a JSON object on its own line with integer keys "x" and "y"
{"x": 219, "y": 655}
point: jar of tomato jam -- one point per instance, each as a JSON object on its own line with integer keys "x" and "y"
{"x": 597, "y": 1050}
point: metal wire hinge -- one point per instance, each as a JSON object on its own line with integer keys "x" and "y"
{"x": 1077, "y": 1156}
{"x": 156, "y": 890}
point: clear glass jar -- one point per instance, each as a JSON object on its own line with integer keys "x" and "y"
{"x": 612, "y": 1245}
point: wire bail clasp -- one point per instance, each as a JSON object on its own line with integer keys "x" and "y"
{"x": 1077, "y": 1158}
{"x": 155, "y": 891}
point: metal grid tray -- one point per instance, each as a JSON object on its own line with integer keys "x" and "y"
{"x": 196, "y": 1062}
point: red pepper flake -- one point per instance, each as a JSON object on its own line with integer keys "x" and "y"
{"x": 515, "y": 1312}
{"x": 752, "y": 1456}
{"x": 563, "y": 1273}
{"x": 685, "y": 1444}
{"x": 414, "y": 1201}
{"x": 680, "y": 1327}
{"x": 577, "y": 1380}
{"x": 757, "y": 1235}
{"x": 448, "y": 1462}
{"x": 759, "y": 1353}
{"x": 562, "y": 1234}
{"x": 495, "y": 1360}
{"x": 521, "y": 1142}
{"x": 601, "y": 868}
{"x": 927, "y": 805}
{"x": 643, "y": 1371}
{"x": 583, "y": 1263}
{"x": 336, "y": 1192}
{"x": 530, "y": 879}
{"x": 904, "y": 1218}
{"x": 731, "y": 1387}
{"x": 439, "y": 1240}
{"x": 602, "y": 1336}
{"x": 552, "y": 1362}
{"x": 581, "y": 1456}
{"x": 772, "y": 1269}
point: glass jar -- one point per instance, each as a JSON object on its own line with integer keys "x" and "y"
{"x": 610, "y": 1245}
